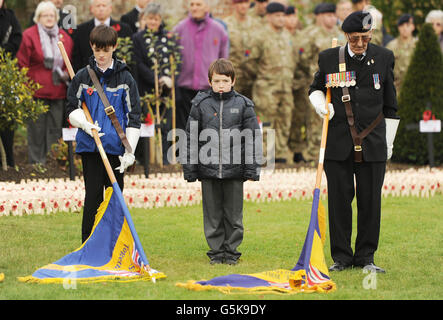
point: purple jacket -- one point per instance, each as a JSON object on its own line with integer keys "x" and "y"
{"x": 202, "y": 43}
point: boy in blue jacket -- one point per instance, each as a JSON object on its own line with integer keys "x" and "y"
{"x": 121, "y": 90}
{"x": 231, "y": 156}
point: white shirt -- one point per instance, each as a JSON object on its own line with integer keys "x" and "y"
{"x": 352, "y": 54}
{"x": 110, "y": 67}
{"x": 107, "y": 22}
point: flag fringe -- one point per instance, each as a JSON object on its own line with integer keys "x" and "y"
{"x": 194, "y": 286}
{"x": 144, "y": 277}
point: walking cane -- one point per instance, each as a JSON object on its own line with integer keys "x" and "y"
{"x": 108, "y": 167}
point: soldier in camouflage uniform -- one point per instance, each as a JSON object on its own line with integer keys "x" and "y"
{"x": 272, "y": 61}
{"x": 258, "y": 12}
{"x": 309, "y": 43}
{"x": 403, "y": 47}
{"x": 241, "y": 27}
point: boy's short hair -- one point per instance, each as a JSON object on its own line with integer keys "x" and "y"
{"x": 221, "y": 66}
{"x": 103, "y": 36}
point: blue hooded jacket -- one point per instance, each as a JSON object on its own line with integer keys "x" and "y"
{"x": 121, "y": 90}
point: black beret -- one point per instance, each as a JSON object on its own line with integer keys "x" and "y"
{"x": 356, "y": 1}
{"x": 290, "y": 10}
{"x": 404, "y": 18}
{"x": 261, "y": 0}
{"x": 358, "y": 21}
{"x": 324, "y": 8}
{"x": 274, "y": 7}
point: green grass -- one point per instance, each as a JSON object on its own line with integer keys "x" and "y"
{"x": 411, "y": 251}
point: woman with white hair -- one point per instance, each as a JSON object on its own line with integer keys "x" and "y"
{"x": 40, "y": 54}
{"x": 435, "y": 17}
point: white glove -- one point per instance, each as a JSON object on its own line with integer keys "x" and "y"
{"x": 166, "y": 81}
{"x": 318, "y": 101}
{"x": 391, "y": 131}
{"x": 78, "y": 119}
{"x": 127, "y": 160}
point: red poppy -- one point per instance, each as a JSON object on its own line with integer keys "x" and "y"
{"x": 215, "y": 41}
{"x": 247, "y": 53}
{"x": 148, "y": 120}
{"x": 70, "y": 31}
{"x": 90, "y": 91}
{"x": 117, "y": 27}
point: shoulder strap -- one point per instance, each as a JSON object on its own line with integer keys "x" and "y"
{"x": 109, "y": 110}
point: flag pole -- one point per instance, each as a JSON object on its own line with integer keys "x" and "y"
{"x": 108, "y": 167}
{"x": 324, "y": 133}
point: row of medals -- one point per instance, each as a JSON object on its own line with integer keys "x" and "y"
{"x": 335, "y": 80}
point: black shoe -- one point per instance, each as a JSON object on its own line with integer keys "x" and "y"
{"x": 339, "y": 266}
{"x": 231, "y": 262}
{"x": 371, "y": 267}
{"x": 216, "y": 261}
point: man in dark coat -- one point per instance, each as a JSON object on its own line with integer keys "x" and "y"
{"x": 101, "y": 10}
{"x": 363, "y": 102}
{"x": 132, "y": 17}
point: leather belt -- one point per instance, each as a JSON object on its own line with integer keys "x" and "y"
{"x": 357, "y": 137}
{"x": 109, "y": 110}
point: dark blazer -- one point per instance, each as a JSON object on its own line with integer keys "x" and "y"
{"x": 367, "y": 102}
{"x": 10, "y": 31}
{"x": 82, "y": 49}
{"x": 131, "y": 18}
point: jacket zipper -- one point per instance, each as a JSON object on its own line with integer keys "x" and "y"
{"x": 220, "y": 139}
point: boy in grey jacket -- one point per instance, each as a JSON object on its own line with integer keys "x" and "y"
{"x": 224, "y": 149}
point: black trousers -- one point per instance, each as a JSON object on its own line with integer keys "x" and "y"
{"x": 223, "y": 217}
{"x": 184, "y": 98}
{"x": 96, "y": 180}
{"x": 369, "y": 177}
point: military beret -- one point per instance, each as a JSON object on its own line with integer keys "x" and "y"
{"x": 404, "y": 19}
{"x": 324, "y": 8}
{"x": 356, "y": 1}
{"x": 358, "y": 21}
{"x": 274, "y": 7}
{"x": 290, "y": 10}
{"x": 261, "y": 0}
{"x": 239, "y": 1}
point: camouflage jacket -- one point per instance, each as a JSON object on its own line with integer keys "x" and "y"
{"x": 272, "y": 58}
{"x": 403, "y": 53}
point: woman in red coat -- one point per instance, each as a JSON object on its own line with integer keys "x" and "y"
{"x": 40, "y": 54}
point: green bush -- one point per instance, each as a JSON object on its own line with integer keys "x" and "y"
{"x": 423, "y": 85}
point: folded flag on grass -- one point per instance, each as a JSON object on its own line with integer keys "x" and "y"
{"x": 310, "y": 274}
{"x": 112, "y": 251}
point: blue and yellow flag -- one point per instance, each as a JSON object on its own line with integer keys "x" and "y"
{"x": 310, "y": 274}
{"x": 112, "y": 252}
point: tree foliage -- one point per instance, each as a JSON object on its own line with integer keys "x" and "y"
{"x": 422, "y": 86}
{"x": 17, "y": 104}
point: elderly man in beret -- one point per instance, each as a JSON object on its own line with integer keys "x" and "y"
{"x": 272, "y": 62}
{"x": 362, "y": 127}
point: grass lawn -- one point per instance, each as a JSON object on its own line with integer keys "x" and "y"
{"x": 411, "y": 251}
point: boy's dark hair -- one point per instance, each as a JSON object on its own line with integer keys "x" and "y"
{"x": 103, "y": 36}
{"x": 221, "y": 66}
